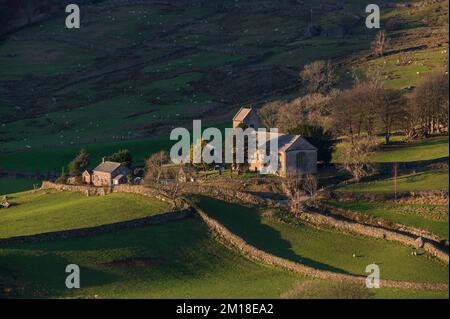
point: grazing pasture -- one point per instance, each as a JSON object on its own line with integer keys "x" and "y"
{"x": 47, "y": 211}
{"x": 324, "y": 248}
{"x": 173, "y": 260}
{"x": 433, "y": 218}
{"x": 421, "y": 150}
{"x": 423, "y": 181}
{"x": 179, "y": 259}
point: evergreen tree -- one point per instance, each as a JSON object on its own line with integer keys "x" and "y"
{"x": 79, "y": 164}
{"x": 319, "y": 137}
{"x": 121, "y": 156}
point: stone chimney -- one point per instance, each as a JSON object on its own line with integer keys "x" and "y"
{"x": 103, "y": 159}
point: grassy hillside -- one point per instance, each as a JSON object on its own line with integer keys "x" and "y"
{"x": 417, "y": 151}
{"x": 324, "y": 249}
{"x": 173, "y": 260}
{"x": 53, "y": 159}
{"x": 401, "y": 151}
{"x": 423, "y": 181}
{"x": 433, "y": 218}
{"x": 47, "y": 211}
{"x": 152, "y": 66}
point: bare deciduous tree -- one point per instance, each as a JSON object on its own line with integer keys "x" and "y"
{"x": 353, "y": 112}
{"x": 298, "y": 188}
{"x": 289, "y": 115}
{"x": 379, "y": 43}
{"x": 309, "y": 184}
{"x": 354, "y": 156}
{"x": 391, "y": 106}
{"x": 429, "y": 103}
{"x": 294, "y": 192}
{"x": 154, "y": 166}
{"x": 268, "y": 113}
{"x": 319, "y": 77}
{"x": 312, "y": 108}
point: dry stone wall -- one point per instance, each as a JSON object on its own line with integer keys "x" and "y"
{"x": 227, "y": 194}
{"x": 238, "y": 243}
{"x": 370, "y": 220}
{"x": 405, "y": 235}
{"x": 256, "y": 254}
{"x": 375, "y": 232}
{"x": 421, "y": 197}
{"x": 90, "y": 231}
{"x": 134, "y": 189}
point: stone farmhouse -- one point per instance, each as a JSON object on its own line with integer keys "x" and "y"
{"x": 296, "y": 156}
{"x": 107, "y": 174}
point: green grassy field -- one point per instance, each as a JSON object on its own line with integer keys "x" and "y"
{"x": 433, "y": 218}
{"x": 423, "y": 181}
{"x": 324, "y": 249}
{"x": 422, "y": 150}
{"x": 403, "y": 76}
{"x": 418, "y": 151}
{"x": 127, "y": 77}
{"x": 138, "y": 66}
{"x": 47, "y": 211}
{"x": 10, "y": 185}
{"x": 39, "y": 159}
{"x": 174, "y": 260}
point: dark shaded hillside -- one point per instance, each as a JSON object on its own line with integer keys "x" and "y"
{"x": 152, "y": 65}
{"x": 16, "y": 14}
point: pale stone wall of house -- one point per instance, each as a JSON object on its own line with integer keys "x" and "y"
{"x": 86, "y": 178}
{"x": 282, "y": 163}
{"x": 310, "y": 163}
{"x": 287, "y": 163}
{"x": 101, "y": 179}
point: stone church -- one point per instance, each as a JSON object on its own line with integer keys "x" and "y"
{"x": 296, "y": 156}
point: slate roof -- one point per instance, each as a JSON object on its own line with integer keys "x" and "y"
{"x": 297, "y": 143}
{"x": 288, "y": 142}
{"x": 107, "y": 167}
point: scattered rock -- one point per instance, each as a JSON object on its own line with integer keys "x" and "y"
{"x": 419, "y": 242}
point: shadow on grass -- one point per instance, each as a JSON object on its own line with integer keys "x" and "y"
{"x": 29, "y": 274}
{"x": 159, "y": 253}
{"x": 246, "y": 223}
